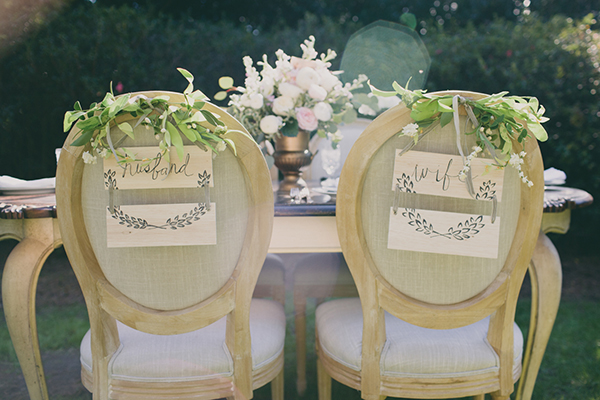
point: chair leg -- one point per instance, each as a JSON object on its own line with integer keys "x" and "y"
{"x": 323, "y": 382}
{"x": 277, "y": 386}
{"x": 300, "y": 321}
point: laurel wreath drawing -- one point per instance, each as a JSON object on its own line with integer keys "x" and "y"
{"x": 171, "y": 223}
{"x": 110, "y": 180}
{"x": 463, "y": 231}
{"x": 486, "y": 191}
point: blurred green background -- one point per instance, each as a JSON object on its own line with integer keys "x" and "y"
{"x": 54, "y": 52}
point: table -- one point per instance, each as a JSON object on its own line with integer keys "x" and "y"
{"x": 32, "y": 220}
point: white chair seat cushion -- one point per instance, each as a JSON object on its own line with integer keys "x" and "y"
{"x": 200, "y": 354}
{"x": 410, "y": 351}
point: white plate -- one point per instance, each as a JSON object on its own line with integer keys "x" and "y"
{"x": 324, "y": 190}
{"x": 25, "y": 191}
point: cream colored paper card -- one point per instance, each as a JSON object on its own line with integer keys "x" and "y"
{"x": 195, "y": 169}
{"x": 161, "y": 225}
{"x": 444, "y": 233}
{"x": 437, "y": 174}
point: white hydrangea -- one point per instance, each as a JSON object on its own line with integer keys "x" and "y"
{"x": 283, "y": 105}
{"x": 88, "y": 158}
{"x": 411, "y": 130}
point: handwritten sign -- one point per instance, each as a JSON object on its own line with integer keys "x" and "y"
{"x": 444, "y": 233}
{"x": 158, "y": 173}
{"x": 437, "y": 174}
{"x": 161, "y": 225}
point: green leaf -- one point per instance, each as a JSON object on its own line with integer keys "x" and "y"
{"x": 231, "y": 144}
{"x": 409, "y": 20}
{"x": 189, "y": 133}
{"x": 538, "y": 131}
{"x": 211, "y": 118}
{"x": 176, "y": 140}
{"x": 127, "y": 129}
{"x": 90, "y": 123}
{"x": 77, "y": 106}
{"x": 424, "y": 110}
{"x": 225, "y": 82}
{"x": 189, "y": 77}
{"x": 83, "y": 139}
{"x": 222, "y": 95}
{"x": 349, "y": 116}
{"x": 445, "y": 119}
{"x": 290, "y": 129}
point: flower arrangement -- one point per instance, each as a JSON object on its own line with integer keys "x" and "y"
{"x": 497, "y": 120}
{"x": 298, "y": 93}
{"x": 170, "y": 122}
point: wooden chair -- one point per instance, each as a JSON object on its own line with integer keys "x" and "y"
{"x": 435, "y": 318}
{"x": 175, "y": 321}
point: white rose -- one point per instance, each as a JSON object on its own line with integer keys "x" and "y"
{"x": 317, "y": 92}
{"x": 323, "y": 111}
{"x": 290, "y": 90}
{"x": 328, "y": 80}
{"x": 306, "y": 77}
{"x": 270, "y": 124}
{"x": 283, "y": 105}
{"x": 256, "y": 100}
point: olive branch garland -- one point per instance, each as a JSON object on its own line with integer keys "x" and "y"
{"x": 174, "y": 223}
{"x": 463, "y": 231}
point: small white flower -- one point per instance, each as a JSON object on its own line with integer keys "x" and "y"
{"x": 147, "y": 120}
{"x": 529, "y": 183}
{"x": 102, "y": 152}
{"x": 270, "y": 124}
{"x": 283, "y": 105}
{"x": 522, "y": 154}
{"x": 515, "y": 160}
{"x": 317, "y": 92}
{"x": 163, "y": 130}
{"x": 411, "y": 130}
{"x": 162, "y": 116}
{"x": 221, "y": 146}
{"x": 88, "y": 158}
{"x": 157, "y": 136}
{"x": 323, "y": 111}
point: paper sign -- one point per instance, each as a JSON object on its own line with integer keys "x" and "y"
{"x": 161, "y": 225}
{"x": 194, "y": 170}
{"x": 437, "y": 174}
{"x": 444, "y": 233}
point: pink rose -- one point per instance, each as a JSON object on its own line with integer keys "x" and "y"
{"x": 306, "y": 119}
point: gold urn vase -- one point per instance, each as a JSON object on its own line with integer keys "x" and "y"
{"x": 291, "y": 154}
